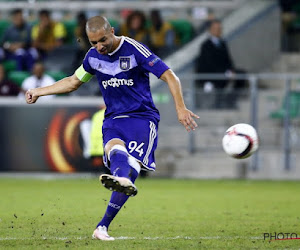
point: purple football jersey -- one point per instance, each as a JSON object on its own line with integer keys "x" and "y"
{"x": 123, "y": 76}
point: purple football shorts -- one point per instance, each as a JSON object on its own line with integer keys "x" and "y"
{"x": 139, "y": 136}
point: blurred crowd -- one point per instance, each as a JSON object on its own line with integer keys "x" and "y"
{"x": 25, "y": 45}
{"x": 30, "y": 49}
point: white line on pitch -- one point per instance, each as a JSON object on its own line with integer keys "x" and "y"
{"x": 138, "y": 238}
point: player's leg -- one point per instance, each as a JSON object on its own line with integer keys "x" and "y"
{"x": 122, "y": 167}
{"x": 125, "y": 170}
{"x": 140, "y": 137}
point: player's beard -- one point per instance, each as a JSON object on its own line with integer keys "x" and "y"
{"x": 106, "y": 49}
{"x": 103, "y": 51}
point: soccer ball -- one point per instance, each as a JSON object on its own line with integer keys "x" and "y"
{"x": 240, "y": 141}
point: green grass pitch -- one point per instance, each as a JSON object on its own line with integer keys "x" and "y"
{"x": 166, "y": 214}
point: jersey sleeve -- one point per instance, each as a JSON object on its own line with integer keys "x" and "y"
{"x": 149, "y": 61}
{"x": 85, "y": 72}
{"x": 154, "y": 65}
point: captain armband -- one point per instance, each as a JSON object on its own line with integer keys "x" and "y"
{"x": 82, "y": 75}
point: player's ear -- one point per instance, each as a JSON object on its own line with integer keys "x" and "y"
{"x": 112, "y": 30}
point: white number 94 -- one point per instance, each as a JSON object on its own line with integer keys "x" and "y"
{"x": 133, "y": 146}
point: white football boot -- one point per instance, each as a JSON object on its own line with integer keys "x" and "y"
{"x": 119, "y": 184}
{"x": 100, "y": 233}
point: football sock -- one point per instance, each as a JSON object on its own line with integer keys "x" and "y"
{"x": 116, "y": 202}
{"x": 121, "y": 165}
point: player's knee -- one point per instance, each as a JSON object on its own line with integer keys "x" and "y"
{"x": 112, "y": 144}
{"x": 117, "y": 149}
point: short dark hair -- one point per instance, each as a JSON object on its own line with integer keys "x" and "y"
{"x": 213, "y": 22}
{"x": 16, "y": 11}
{"x": 44, "y": 12}
{"x": 138, "y": 14}
{"x": 81, "y": 17}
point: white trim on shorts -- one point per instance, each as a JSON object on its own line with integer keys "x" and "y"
{"x": 152, "y": 136}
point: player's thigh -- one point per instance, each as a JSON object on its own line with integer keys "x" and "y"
{"x": 141, "y": 141}
{"x": 138, "y": 135}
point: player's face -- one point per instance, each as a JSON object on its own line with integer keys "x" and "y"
{"x": 102, "y": 40}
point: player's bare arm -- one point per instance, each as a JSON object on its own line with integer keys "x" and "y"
{"x": 66, "y": 85}
{"x": 185, "y": 116}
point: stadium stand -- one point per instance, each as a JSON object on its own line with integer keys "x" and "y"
{"x": 3, "y": 26}
{"x": 183, "y": 29}
{"x": 70, "y": 26}
{"x": 18, "y": 76}
{"x": 9, "y": 65}
{"x": 294, "y": 107}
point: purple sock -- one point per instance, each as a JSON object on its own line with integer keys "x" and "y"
{"x": 119, "y": 166}
{"x": 117, "y": 200}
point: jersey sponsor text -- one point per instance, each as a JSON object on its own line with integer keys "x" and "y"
{"x": 115, "y": 82}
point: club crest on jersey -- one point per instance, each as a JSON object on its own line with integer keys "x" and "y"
{"x": 124, "y": 63}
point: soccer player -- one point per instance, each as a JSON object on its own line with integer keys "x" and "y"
{"x": 122, "y": 68}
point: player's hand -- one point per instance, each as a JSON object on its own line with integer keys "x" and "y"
{"x": 185, "y": 117}
{"x": 30, "y": 96}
